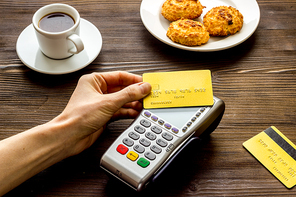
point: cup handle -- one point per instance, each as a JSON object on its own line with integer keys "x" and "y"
{"x": 77, "y": 42}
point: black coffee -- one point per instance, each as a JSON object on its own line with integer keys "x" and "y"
{"x": 56, "y": 22}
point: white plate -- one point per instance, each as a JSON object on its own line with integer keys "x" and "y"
{"x": 29, "y": 53}
{"x": 157, "y": 25}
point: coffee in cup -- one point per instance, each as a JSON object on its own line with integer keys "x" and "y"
{"x": 57, "y": 28}
{"x": 56, "y": 22}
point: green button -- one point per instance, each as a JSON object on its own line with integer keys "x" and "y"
{"x": 143, "y": 162}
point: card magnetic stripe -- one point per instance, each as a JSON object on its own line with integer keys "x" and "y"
{"x": 281, "y": 142}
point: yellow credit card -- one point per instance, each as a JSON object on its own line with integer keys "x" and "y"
{"x": 276, "y": 152}
{"x": 179, "y": 89}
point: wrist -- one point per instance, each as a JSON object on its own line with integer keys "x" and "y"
{"x": 45, "y": 144}
{"x": 58, "y": 133}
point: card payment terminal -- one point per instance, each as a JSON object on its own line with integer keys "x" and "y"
{"x": 141, "y": 152}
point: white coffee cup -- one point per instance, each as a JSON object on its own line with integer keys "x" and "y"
{"x": 58, "y": 45}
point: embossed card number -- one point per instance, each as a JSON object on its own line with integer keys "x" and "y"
{"x": 179, "y": 89}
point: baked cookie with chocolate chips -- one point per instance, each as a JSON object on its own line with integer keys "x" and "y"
{"x": 223, "y": 21}
{"x": 188, "y": 32}
{"x": 174, "y": 10}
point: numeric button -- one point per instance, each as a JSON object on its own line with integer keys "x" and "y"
{"x": 155, "y": 149}
{"x": 139, "y": 129}
{"x": 145, "y": 142}
{"x": 161, "y": 143}
{"x": 128, "y": 142}
{"x": 167, "y": 136}
{"x": 139, "y": 148}
{"x": 145, "y": 123}
{"x": 150, "y": 155}
{"x": 134, "y": 135}
{"x": 156, "y": 129}
{"x": 150, "y": 136}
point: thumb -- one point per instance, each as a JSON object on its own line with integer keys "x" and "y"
{"x": 132, "y": 92}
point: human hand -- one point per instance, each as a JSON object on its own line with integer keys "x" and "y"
{"x": 97, "y": 99}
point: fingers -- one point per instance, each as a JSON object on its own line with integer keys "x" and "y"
{"x": 131, "y": 93}
{"x": 120, "y": 78}
{"x": 136, "y": 105}
{"x": 125, "y": 113}
{"x": 110, "y": 82}
{"x": 119, "y": 89}
{"x": 129, "y": 110}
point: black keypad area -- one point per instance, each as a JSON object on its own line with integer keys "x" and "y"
{"x": 141, "y": 137}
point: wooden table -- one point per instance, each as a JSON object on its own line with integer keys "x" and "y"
{"x": 256, "y": 80}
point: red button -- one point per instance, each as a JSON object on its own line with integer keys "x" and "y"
{"x": 122, "y": 149}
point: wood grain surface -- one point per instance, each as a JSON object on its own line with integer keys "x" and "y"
{"x": 256, "y": 80}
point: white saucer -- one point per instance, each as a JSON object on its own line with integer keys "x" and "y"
{"x": 157, "y": 25}
{"x": 29, "y": 53}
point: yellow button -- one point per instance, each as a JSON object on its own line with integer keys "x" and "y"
{"x": 132, "y": 156}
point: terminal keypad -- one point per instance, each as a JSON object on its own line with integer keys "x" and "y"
{"x": 138, "y": 144}
{"x": 140, "y": 147}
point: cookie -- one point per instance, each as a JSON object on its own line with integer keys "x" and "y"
{"x": 188, "y": 32}
{"x": 174, "y": 10}
{"x": 223, "y": 21}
